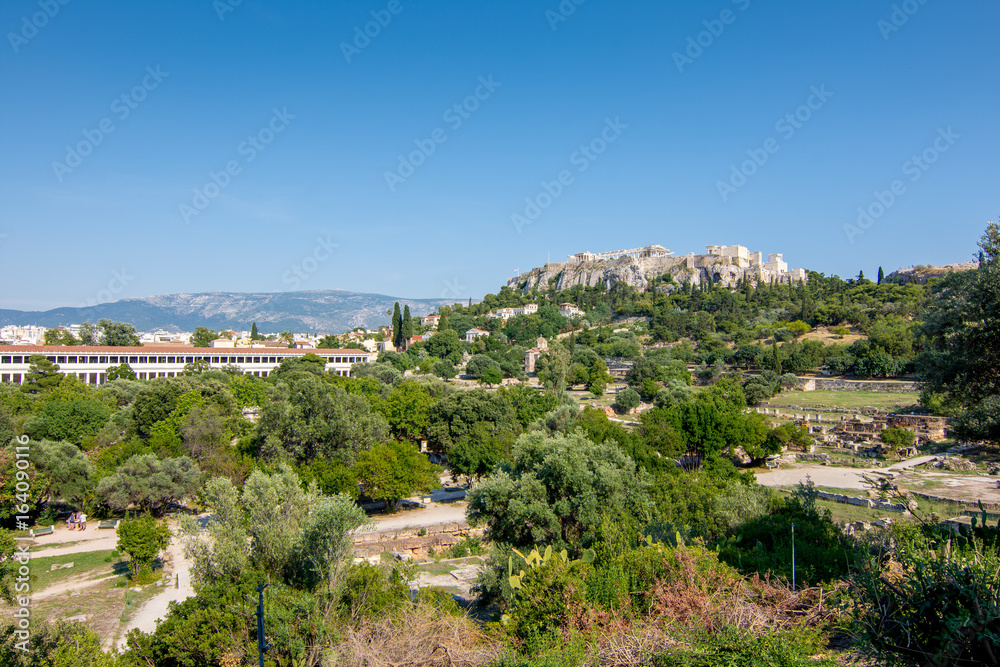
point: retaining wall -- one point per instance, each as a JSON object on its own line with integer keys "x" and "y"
{"x": 840, "y": 384}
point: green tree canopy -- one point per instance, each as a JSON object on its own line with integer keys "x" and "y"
{"x": 556, "y": 491}
{"x": 962, "y": 333}
{"x": 149, "y": 483}
{"x": 117, "y": 334}
{"x": 203, "y": 337}
{"x": 42, "y": 375}
{"x": 456, "y": 415}
{"x": 394, "y": 471}
{"x": 142, "y": 539}
{"x": 310, "y": 417}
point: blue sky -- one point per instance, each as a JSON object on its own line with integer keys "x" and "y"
{"x": 666, "y": 98}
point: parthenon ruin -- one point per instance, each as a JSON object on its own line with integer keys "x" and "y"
{"x": 634, "y": 253}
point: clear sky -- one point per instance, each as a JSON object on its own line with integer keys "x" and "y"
{"x": 765, "y": 124}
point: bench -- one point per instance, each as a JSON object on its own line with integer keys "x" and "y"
{"x": 771, "y": 465}
{"x": 39, "y": 532}
{"x": 108, "y": 523}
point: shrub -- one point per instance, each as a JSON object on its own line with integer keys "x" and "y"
{"x": 935, "y": 601}
{"x": 142, "y": 539}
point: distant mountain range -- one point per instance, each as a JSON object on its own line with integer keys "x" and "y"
{"x": 320, "y": 311}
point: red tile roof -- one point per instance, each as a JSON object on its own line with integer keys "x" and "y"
{"x": 166, "y": 349}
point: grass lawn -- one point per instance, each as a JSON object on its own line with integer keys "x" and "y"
{"x": 94, "y": 564}
{"x": 103, "y": 603}
{"x": 847, "y": 400}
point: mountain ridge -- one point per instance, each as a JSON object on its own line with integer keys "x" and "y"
{"x": 321, "y": 311}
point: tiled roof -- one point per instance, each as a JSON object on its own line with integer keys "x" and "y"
{"x": 165, "y": 349}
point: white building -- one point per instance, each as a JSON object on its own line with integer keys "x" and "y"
{"x": 22, "y": 335}
{"x": 507, "y": 313}
{"x": 155, "y": 361}
{"x": 569, "y": 310}
{"x": 739, "y": 255}
{"x": 473, "y": 334}
{"x": 776, "y": 265}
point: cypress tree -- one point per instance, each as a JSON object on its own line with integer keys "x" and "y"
{"x": 881, "y": 275}
{"x": 397, "y": 327}
{"x": 253, "y": 332}
{"x": 407, "y": 323}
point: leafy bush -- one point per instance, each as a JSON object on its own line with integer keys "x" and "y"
{"x": 763, "y": 545}
{"x": 142, "y": 539}
{"x": 935, "y": 600}
{"x": 739, "y": 648}
{"x": 368, "y": 593}
{"x": 469, "y": 546}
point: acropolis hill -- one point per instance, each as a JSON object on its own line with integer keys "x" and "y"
{"x": 725, "y": 265}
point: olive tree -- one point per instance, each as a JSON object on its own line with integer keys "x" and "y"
{"x": 556, "y": 491}
{"x": 149, "y": 483}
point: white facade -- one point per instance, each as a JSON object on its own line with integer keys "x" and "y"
{"x": 148, "y": 362}
{"x": 507, "y": 313}
{"x": 569, "y": 310}
{"x": 739, "y": 255}
{"x": 472, "y": 334}
{"x": 775, "y": 264}
{"x": 23, "y": 335}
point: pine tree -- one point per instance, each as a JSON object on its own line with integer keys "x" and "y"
{"x": 881, "y": 275}
{"x": 407, "y": 323}
{"x": 397, "y": 327}
{"x": 861, "y": 277}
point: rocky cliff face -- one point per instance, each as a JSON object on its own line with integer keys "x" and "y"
{"x": 920, "y": 274}
{"x": 634, "y": 272}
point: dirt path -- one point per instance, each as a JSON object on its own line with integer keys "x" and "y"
{"x": 934, "y": 482}
{"x": 839, "y": 478}
{"x": 156, "y": 608}
{"x": 65, "y": 542}
{"x": 432, "y": 514}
